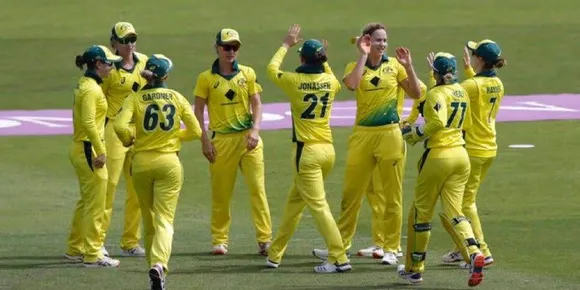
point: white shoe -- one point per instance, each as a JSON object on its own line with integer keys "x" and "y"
{"x": 399, "y": 254}
{"x": 271, "y": 264}
{"x": 134, "y": 252}
{"x": 78, "y": 258}
{"x": 390, "y": 258}
{"x": 373, "y": 251}
{"x": 104, "y": 262}
{"x": 104, "y": 251}
{"x": 327, "y": 267}
{"x": 220, "y": 250}
{"x": 452, "y": 257}
{"x": 157, "y": 277}
{"x": 321, "y": 254}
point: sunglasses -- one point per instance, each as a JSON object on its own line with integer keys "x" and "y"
{"x": 228, "y": 47}
{"x": 128, "y": 39}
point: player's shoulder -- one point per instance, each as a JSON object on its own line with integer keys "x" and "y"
{"x": 248, "y": 70}
{"x": 205, "y": 74}
{"x": 141, "y": 57}
{"x": 350, "y": 64}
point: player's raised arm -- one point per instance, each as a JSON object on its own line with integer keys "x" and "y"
{"x": 411, "y": 84}
{"x": 273, "y": 69}
{"x": 352, "y": 79}
{"x": 122, "y": 127}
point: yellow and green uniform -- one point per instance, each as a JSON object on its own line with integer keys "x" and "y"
{"x": 230, "y": 120}
{"x": 89, "y": 111}
{"x": 311, "y": 90}
{"x": 117, "y": 86}
{"x": 156, "y": 169}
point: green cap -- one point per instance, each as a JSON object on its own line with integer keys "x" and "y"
{"x": 159, "y": 65}
{"x": 100, "y": 53}
{"x": 310, "y": 48}
{"x": 445, "y": 63}
{"x": 227, "y": 35}
{"x": 487, "y": 49}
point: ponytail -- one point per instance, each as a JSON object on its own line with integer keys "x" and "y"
{"x": 498, "y": 63}
{"x": 449, "y": 78}
{"x": 151, "y": 77}
{"x": 80, "y": 61}
{"x": 319, "y": 58}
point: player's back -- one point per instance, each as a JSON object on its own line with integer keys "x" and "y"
{"x": 454, "y": 98}
{"x": 311, "y": 99}
{"x": 486, "y": 94}
{"x": 157, "y": 116}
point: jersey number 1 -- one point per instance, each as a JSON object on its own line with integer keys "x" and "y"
{"x": 151, "y": 119}
{"x": 456, "y": 106}
{"x": 313, "y": 99}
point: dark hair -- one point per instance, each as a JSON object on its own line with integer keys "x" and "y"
{"x": 372, "y": 27}
{"x": 80, "y": 62}
{"x": 151, "y": 77}
{"x": 498, "y": 63}
{"x": 318, "y": 59}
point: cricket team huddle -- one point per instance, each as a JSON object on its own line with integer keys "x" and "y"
{"x": 128, "y": 122}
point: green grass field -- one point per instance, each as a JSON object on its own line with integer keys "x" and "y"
{"x": 529, "y": 203}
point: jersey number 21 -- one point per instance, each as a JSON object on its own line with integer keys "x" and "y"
{"x": 314, "y": 99}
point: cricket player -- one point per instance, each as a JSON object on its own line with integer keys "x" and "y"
{"x": 157, "y": 171}
{"x": 125, "y": 78}
{"x": 378, "y": 81}
{"x": 486, "y": 91}
{"x": 376, "y": 195}
{"x": 232, "y": 96}
{"x": 443, "y": 171}
{"x": 311, "y": 88}
{"x": 88, "y": 156}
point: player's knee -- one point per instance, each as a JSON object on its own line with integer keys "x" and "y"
{"x": 422, "y": 227}
{"x": 471, "y": 242}
{"x": 457, "y": 220}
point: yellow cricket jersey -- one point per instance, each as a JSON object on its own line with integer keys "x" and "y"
{"x": 311, "y": 91}
{"x": 414, "y": 114}
{"x": 122, "y": 82}
{"x": 157, "y": 112}
{"x": 228, "y": 97}
{"x": 485, "y": 92}
{"x": 446, "y": 111}
{"x": 379, "y": 92}
{"x": 89, "y": 111}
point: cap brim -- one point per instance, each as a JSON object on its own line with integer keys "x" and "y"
{"x": 471, "y": 45}
{"x": 231, "y": 41}
{"x": 114, "y": 58}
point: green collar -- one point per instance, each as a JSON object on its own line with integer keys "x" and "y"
{"x": 215, "y": 69}
{"x": 310, "y": 69}
{"x": 487, "y": 73}
{"x": 384, "y": 59}
{"x": 155, "y": 86}
{"x": 93, "y": 75}
{"x": 118, "y": 65}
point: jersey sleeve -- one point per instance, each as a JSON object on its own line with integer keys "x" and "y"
{"x": 201, "y": 87}
{"x": 435, "y": 112}
{"x": 327, "y": 68}
{"x": 414, "y": 115}
{"x": 401, "y": 73}
{"x": 470, "y": 85}
{"x": 279, "y": 77}
{"x": 253, "y": 86}
{"x": 469, "y": 72}
{"x": 348, "y": 69}
{"x": 192, "y": 129}
{"x": 122, "y": 124}
{"x": 88, "y": 112}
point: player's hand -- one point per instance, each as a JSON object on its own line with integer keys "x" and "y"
{"x": 410, "y": 134}
{"x": 404, "y": 56}
{"x": 131, "y": 142}
{"x": 208, "y": 150}
{"x": 430, "y": 60}
{"x": 466, "y": 57}
{"x": 100, "y": 161}
{"x": 292, "y": 38}
{"x": 252, "y": 139}
{"x": 364, "y": 44}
